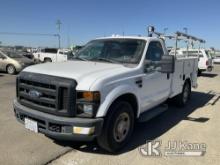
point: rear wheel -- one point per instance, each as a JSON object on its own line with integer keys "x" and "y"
{"x": 118, "y": 127}
{"x": 183, "y": 97}
{"x": 199, "y": 72}
{"x": 11, "y": 69}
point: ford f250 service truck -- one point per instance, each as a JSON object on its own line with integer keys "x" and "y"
{"x": 112, "y": 83}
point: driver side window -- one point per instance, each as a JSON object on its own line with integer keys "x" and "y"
{"x": 154, "y": 51}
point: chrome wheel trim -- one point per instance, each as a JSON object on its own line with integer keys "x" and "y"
{"x": 10, "y": 69}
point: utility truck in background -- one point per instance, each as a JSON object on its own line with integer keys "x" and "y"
{"x": 51, "y": 55}
{"x": 205, "y": 62}
{"x": 111, "y": 83}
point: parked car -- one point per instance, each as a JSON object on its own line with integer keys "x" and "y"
{"x": 216, "y": 60}
{"x": 205, "y": 60}
{"x": 112, "y": 83}
{"x": 13, "y": 62}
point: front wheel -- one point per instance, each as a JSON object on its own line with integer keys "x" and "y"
{"x": 118, "y": 127}
{"x": 11, "y": 69}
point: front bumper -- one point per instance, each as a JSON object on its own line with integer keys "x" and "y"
{"x": 57, "y": 127}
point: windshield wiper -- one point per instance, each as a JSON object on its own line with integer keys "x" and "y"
{"x": 103, "y": 59}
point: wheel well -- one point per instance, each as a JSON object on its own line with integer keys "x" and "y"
{"x": 189, "y": 81}
{"x": 130, "y": 98}
{"x": 47, "y": 58}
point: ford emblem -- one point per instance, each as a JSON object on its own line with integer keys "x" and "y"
{"x": 34, "y": 94}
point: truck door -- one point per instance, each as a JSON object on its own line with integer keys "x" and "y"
{"x": 156, "y": 85}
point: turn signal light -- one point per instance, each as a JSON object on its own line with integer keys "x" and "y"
{"x": 89, "y": 96}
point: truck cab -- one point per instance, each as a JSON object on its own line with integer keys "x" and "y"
{"x": 110, "y": 84}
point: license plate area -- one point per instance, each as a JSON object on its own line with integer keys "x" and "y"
{"x": 31, "y": 125}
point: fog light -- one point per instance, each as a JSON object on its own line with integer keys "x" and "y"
{"x": 84, "y": 130}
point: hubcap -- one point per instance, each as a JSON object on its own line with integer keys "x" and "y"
{"x": 10, "y": 69}
{"x": 121, "y": 127}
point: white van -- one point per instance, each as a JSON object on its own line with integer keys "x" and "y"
{"x": 205, "y": 60}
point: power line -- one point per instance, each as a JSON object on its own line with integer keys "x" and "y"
{"x": 33, "y": 34}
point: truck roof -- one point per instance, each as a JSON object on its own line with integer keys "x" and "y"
{"x": 128, "y": 37}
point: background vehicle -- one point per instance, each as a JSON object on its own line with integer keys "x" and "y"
{"x": 112, "y": 83}
{"x": 205, "y": 60}
{"x": 216, "y": 60}
{"x": 13, "y": 62}
{"x": 51, "y": 55}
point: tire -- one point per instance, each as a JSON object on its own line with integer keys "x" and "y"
{"x": 182, "y": 99}
{"x": 118, "y": 127}
{"x": 47, "y": 60}
{"x": 11, "y": 69}
{"x": 199, "y": 72}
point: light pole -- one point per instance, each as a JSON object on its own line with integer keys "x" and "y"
{"x": 58, "y": 36}
{"x": 164, "y": 31}
{"x": 58, "y": 23}
{"x": 185, "y": 30}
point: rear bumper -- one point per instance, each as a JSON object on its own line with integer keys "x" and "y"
{"x": 57, "y": 127}
{"x": 209, "y": 69}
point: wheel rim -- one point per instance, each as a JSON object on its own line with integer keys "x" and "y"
{"x": 186, "y": 93}
{"x": 121, "y": 127}
{"x": 11, "y": 69}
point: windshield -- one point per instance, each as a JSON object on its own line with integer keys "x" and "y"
{"x": 113, "y": 50}
{"x": 13, "y": 55}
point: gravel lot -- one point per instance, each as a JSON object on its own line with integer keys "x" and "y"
{"x": 198, "y": 122}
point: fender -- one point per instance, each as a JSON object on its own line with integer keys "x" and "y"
{"x": 113, "y": 95}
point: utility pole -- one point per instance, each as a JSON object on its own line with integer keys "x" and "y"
{"x": 58, "y": 23}
{"x": 185, "y": 30}
{"x": 32, "y": 34}
{"x": 164, "y": 30}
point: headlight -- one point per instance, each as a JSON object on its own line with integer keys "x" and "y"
{"x": 87, "y": 103}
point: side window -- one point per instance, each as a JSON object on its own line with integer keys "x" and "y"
{"x": 155, "y": 51}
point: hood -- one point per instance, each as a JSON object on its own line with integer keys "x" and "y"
{"x": 84, "y": 72}
{"x": 23, "y": 60}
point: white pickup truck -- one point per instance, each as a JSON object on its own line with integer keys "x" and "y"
{"x": 112, "y": 83}
{"x": 51, "y": 55}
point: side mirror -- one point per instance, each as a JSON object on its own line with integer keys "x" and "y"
{"x": 167, "y": 64}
